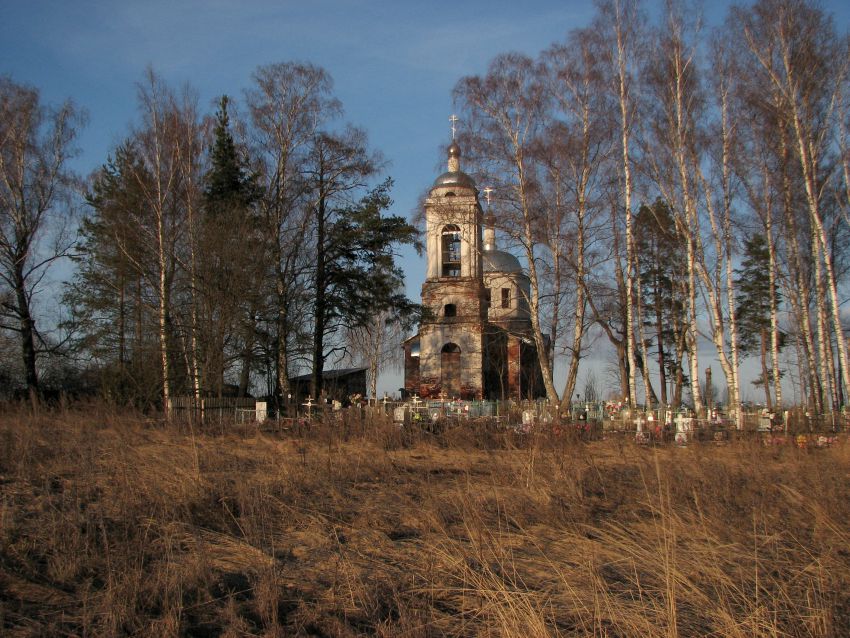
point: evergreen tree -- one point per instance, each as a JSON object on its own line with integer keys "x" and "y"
{"x": 230, "y": 261}
{"x": 229, "y": 184}
{"x": 110, "y": 295}
{"x": 662, "y": 262}
{"x": 753, "y": 307}
{"x": 358, "y": 278}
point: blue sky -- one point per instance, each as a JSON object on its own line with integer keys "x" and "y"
{"x": 394, "y": 63}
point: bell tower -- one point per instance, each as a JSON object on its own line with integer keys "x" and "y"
{"x": 474, "y": 339}
{"x": 452, "y": 333}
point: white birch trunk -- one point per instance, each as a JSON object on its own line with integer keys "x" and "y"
{"x": 161, "y": 163}
{"x": 625, "y": 133}
{"x": 735, "y": 385}
{"x": 534, "y": 288}
{"x": 186, "y": 156}
{"x": 808, "y": 144}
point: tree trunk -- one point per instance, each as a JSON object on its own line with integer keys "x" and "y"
{"x": 534, "y": 302}
{"x": 649, "y": 393}
{"x": 625, "y": 130}
{"x": 319, "y": 303}
{"x": 247, "y": 359}
{"x": 691, "y": 329}
{"x": 735, "y": 387}
{"x": 773, "y": 284}
{"x": 806, "y": 149}
{"x": 798, "y": 292}
{"x": 163, "y": 321}
{"x": 284, "y": 390}
{"x": 659, "y": 336}
{"x": 765, "y": 375}
{"x": 581, "y": 306}
{"x": 27, "y": 333}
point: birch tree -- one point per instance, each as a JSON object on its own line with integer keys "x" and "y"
{"x": 505, "y": 113}
{"x": 620, "y": 22}
{"x": 377, "y": 345}
{"x": 158, "y": 176}
{"x": 674, "y": 162}
{"x": 36, "y": 186}
{"x": 287, "y": 104}
{"x": 796, "y": 48}
{"x": 580, "y": 144}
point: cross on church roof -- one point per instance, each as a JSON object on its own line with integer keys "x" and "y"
{"x": 487, "y": 192}
{"x": 453, "y": 119}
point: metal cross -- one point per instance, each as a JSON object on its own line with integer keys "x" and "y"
{"x": 487, "y": 192}
{"x": 453, "y": 119}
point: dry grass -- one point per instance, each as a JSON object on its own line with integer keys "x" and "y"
{"x": 116, "y": 525}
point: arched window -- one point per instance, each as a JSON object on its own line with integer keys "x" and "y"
{"x": 451, "y": 250}
{"x": 450, "y": 310}
{"x": 450, "y": 369}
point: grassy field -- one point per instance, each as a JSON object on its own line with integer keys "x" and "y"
{"x": 115, "y": 525}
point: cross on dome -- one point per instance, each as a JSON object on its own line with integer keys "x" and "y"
{"x": 453, "y": 119}
{"x": 487, "y": 190}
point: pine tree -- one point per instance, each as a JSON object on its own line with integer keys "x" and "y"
{"x": 662, "y": 261}
{"x": 230, "y": 263}
{"x": 111, "y": 293}
{"x": 229, "y": 184}
{"x": 358, "y": 278}
{"x": 753, "y": 307}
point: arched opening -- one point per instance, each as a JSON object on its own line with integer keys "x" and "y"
{"x": 450, "y": 245}
{"x": 450, "y": 310}
{"x": 450, "y": 369}
{"x": 449, "y": 194}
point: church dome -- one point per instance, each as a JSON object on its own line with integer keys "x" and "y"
{"x": 454, "y": 178}
{"x": 500, "y": 261}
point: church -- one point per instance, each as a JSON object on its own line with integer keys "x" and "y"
{"x": 475, "y": 339}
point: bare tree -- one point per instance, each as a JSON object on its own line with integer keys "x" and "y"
{"x": 35, "y": 190}
{"x": 796, "y": 48}
{"x": 189, "y": 147}
{"x": 578, "y": 146}
{"x": 159, "y": 178}
{"x": 378, "y": 345}
{"x": 674, "y": 163}
{"x": 288, "y": 103}
{"x": 620, "y": 22}
{"x": 505, "y": 111}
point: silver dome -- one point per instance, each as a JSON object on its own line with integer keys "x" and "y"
{"x": 455, "y": 178}
{"x": 500, "y": 261}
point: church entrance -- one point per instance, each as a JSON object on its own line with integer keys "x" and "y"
{"x": 450, "y": 369}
